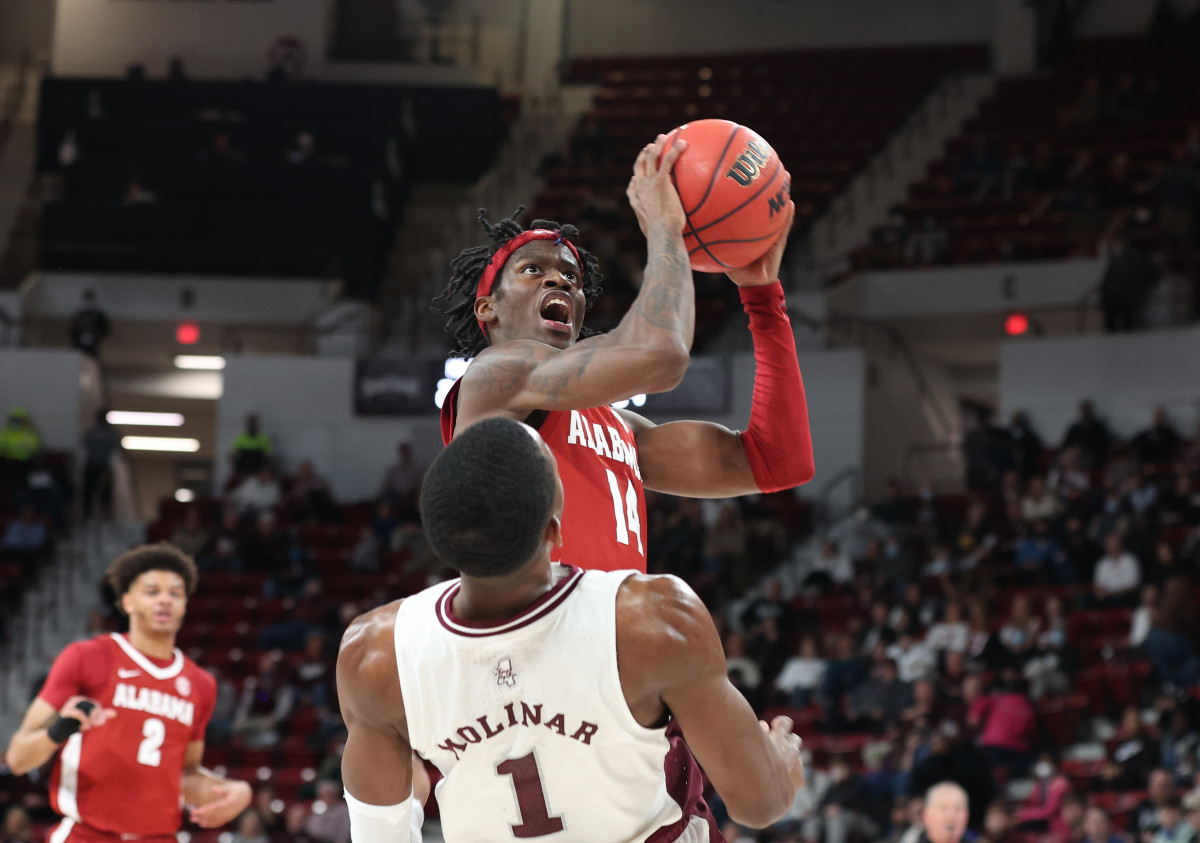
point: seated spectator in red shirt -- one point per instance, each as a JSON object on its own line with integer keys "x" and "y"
{"x": 1042, "y": 810}
{"x": 1005, "y": 720}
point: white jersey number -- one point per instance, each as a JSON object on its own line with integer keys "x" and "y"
{"x": 154, "y": 732}
{"x": 626, "y": 511}
{"x": 531, "y": 795}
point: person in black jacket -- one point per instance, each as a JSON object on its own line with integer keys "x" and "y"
{"x": 959, "y": 762}
{"x": 844, "y": 810}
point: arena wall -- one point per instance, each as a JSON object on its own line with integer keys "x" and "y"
{"x": 59, "y": 388}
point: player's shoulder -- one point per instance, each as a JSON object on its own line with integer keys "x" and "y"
{"x": 370, "y": 640}
{"x": 86, "y": 649}
{"x": 659, "y": 610}
{"x": 199, "y": 674}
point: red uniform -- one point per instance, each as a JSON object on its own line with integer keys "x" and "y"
{"x": 604, "y": 515}
{"x": 122, "y": 780}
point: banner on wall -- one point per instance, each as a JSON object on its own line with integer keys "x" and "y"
{"x": 386, "y": 387}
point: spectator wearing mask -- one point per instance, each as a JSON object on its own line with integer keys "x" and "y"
{"x": 1045, "y": 802}
{"x": 1118, "y": 574}
{"x": 101, "y": 444}
{"x": 89, "y": 326}
{"x": 251, "y": 450}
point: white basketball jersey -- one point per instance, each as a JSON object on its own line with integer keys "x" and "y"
{"x": 526, "y": 720}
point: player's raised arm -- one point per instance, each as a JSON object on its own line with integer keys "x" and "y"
{"x": 670, "y": 654}
{"x": 377, "y": 764}
{"x": 774, "y": 452}
{"x": 534, "y": 313}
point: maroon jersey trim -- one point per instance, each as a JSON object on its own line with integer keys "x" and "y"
{"x": 541, "y": 607}
{"x": 685, "y": 784}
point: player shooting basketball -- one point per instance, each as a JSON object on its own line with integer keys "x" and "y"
{"x": 126, "y": 715}
{"x": 517, "y": 306}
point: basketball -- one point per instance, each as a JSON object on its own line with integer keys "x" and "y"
{"x": 734, "y": 191}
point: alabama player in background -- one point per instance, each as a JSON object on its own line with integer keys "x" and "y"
{"x": 126, "y": 715}
{"x": 517, "y": 306}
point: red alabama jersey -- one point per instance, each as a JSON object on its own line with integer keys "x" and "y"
{"x": 604, "y": 516}
{"x": 124, "y": 777}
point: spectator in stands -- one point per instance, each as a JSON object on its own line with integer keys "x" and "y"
{"x": 1005, "y": 721}
{"x": 295, "y": 822}
{"x": 1180, "y": 504}
{"x": 1039, "y": 502}
{"x": 257, "y": 495}
{"x": 1020, "y": 631}
{"x": 744, "y": 672}
{"x": 314, "y": 673}
{"x": 251, "y": 450}
{"x": 220, "y": 724}
{"x": 368, "y": 553}
{"x": 770, "y": 606}
{"x": 1191, "y": 804}
{"x": 879, "y": 700}
{"x": 1135, "y": 756}
{"x": 101, "y": 445}
{"x": 1118, "y": 574}
{"x": 332, "y": 825}
{"x": 1069, "y": 826}
{"x": 17, "y": 827}
{"x": 955, "y": 761}
{"x": 984, "y": 449}
{"x": 978, "y": 171}
{"x": 802, "y": 674}
{"x": 1087, "y": 106}
{"x": 1159, "y": 443}
{"x": 926, "y": 710}
{"x": 927, "y": 245}
{"x": 265, "y": 704}
{"x": 1178, "y": 190}
{"x": 1128, "y": 280}
{"x": 887, "y": 246}
{"x": 1078, "y": 552}
{"x": 951, "y": 633}
{"x": 1045, "y": 801}
{"x": 1144, "y": 820}
{"x": 1045, "y": 172}
{"x": 1173, "y": 827}
{"x": 251, "y": 828}
{"x": 913, "y": 659}
{"x": 19, "y": 444}
{"x": 1097, "y": 826}
{"x": 1171, "y": 640}
{"x": 290, "y": 570}
{"x": 311, "y": 497}
{"x": 265, "y": 799}
{"x": 1090, "y": 435}
{"x": 997, "y": 823}
{"x": 402, "y": 479}
{"x": 725, "y": 546}
{"x": 896, "y": 566}
{"x": 1178, "y": 739}
{"x": 845, "y": 809}
{"x": 844, "y": 671}
{"x": 303, "y": 151}
{"x": 1025, "y": 445}
{"x": 89, "y": 326}
{"x": 190, "y": 536}
{"x": 1046, "y": 666}
{"x": 25, "y": 539}
{"x": 1143, "y": 616}
{"x": 829, "y": 570}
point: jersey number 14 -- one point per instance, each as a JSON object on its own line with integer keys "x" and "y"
{"x": 626, "y": 509}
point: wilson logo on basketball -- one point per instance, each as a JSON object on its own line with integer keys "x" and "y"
{"x": 749, "y": 165}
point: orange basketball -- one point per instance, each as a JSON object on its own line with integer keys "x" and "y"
{"x": 734, "y": 191}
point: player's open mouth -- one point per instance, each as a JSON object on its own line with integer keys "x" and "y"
{"x": 162, "y": 617}
{"x": 556, "y": 311}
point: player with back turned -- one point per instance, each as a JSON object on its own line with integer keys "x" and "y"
{"x": 542, "y": 691}
{"x": 126, "y": 715}
{"x": 517, "y": 307}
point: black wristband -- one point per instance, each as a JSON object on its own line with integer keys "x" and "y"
{"x": 86, "y": 706}
{"x": 63, "y": 728}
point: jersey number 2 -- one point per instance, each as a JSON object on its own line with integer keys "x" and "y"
{"x": 154, "y": 732}
{"x": 531, "y": 798}
{"x": 626, "y": 510}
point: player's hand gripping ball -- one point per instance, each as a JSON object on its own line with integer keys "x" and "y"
{"x": 734, "y": 191}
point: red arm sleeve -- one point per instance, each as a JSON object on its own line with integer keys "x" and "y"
{"x": 79, "y": 669}
{"x": 778, "y": 442}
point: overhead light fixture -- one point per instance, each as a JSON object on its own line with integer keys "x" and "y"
{"x": 199, "y": 361}
{"x": 185, "y": 495}
{"x": 160, "y": 443}
{"x": 145, "y": 419}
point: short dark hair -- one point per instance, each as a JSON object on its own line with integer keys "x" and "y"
{"x": 467, "y": 268}
{"x": 487, "y": 498}
{"x": 127, "y": 567}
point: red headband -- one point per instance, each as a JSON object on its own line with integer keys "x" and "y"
{"x": 505, "y": 252}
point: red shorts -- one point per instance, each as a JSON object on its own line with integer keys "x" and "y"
{"x": 69, "y": 831}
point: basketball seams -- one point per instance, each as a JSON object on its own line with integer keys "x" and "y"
{"x": 719, "y": 167}
{"x": 775, "y": 175}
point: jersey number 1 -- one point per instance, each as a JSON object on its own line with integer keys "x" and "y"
{"x": 154, "y": 732}
{"x": 531, "y": 798}
{"x": 626, "y": 511}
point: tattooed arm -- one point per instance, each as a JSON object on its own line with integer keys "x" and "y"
{"x": 646, "y": 352}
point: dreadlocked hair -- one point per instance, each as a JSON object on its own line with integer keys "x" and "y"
{"x": 457, "y": 301}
